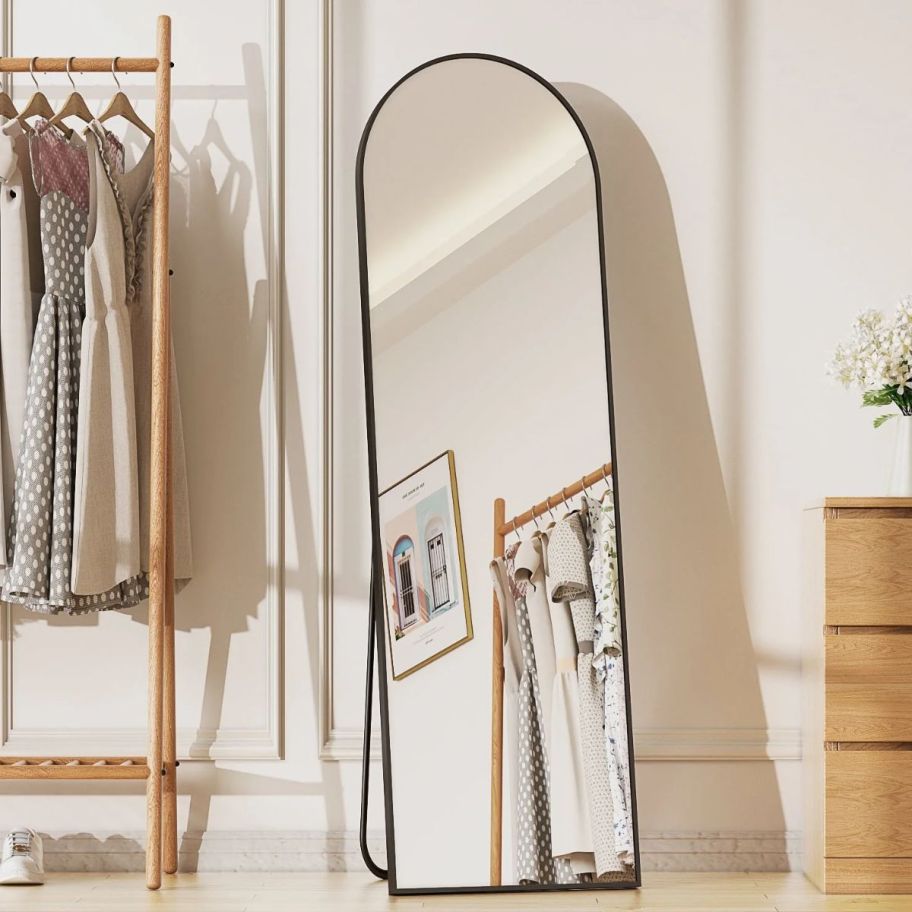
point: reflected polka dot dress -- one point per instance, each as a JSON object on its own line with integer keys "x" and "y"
{"x": 534, "y": 861}
{"x": 40, "y": 539}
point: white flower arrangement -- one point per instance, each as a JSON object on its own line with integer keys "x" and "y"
{"x": 877, "y": 359}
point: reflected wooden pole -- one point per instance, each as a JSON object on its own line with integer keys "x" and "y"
{"x": 497, "y": 704}
{"x": 602, "y": 473}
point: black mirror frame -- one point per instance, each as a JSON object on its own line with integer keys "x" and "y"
{"x": 377, "y": 564}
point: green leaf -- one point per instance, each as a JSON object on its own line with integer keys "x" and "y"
{"x": 882, "y": 419}
{"x": 878, "y": 398}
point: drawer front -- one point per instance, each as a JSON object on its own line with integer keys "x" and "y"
{"x": 876, "y": 658}
{"x": 868, "y": 712}
{"x": 868, "y": 804}
{"x": 868, "y": 687}
{"x": 869, "y": 570}
{"x": 869, "y": 875}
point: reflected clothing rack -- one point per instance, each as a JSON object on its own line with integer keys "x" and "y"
{"x": 159, "y": 767}
{"x": 502, "y": 528}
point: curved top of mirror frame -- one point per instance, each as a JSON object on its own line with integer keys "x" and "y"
{"x": 535, "y": 150}
{"x": 555, "y": 153}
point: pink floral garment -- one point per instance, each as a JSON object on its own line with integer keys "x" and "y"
{"x": 61, "y": 165}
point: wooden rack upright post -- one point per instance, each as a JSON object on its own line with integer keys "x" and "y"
{"x": 502, "y": 528}
{"x": 159, "y": 768}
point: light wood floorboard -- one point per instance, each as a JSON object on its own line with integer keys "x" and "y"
{"x": 262, "y": 892}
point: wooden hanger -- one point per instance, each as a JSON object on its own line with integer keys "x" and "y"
{"x": 7, "y": 108}
{"x": 37, "y": 105}
{"x": 74, "y": 106}
{"x": 120, "y": 106}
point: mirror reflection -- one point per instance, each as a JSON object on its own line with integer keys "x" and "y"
{"x": 505, "y": 700}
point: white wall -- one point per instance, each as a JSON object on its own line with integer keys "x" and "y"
{"x": 781, "y": 131}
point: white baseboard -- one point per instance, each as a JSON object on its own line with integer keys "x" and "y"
{"x": 650, "y": 744}
{"x": 284, "y": 851}
{"x": 721, "y": 851}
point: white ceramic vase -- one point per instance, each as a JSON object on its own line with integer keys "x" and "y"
{"x": 901, "y": 477}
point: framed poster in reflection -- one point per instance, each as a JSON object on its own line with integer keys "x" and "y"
{"x": 424, "y": 581}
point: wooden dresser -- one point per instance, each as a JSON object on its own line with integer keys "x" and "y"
{"x": 858, "y": 695}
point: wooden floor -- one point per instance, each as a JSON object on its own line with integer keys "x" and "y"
{"x": 357, "y": 892}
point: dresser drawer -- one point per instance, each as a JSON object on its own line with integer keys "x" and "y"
{"x": 865, "y": 658}
{"x": 868, "y": 712}
{"x": 868, "y": 570}
{"x": 868, "y": 687}
{"x": 868, "y": 804}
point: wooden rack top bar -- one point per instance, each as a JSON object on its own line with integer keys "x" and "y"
{"x": 600, "y": 474}
{"x": 78, "y": 64}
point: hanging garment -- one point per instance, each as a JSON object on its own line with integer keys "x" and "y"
{"x": 106, "y": 540}
{"x": 141, "y": 336}
{"x": 570, "y": 582}
{"x": 571, "y": 829}
{"x": 534, "y": 862}
{"x": 602, "y": 540}
{"x": 603, "y": 563}
{"x": 619, "y": 757}
{"x": 529, "y": 570}
{"x": 21, "y": 285}
{"x": 111, "y": 502}
{"x": 39, "y": 546}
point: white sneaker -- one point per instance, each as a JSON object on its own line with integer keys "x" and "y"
{"x": 22, "y": 861}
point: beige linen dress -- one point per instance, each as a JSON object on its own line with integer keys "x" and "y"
{"x": 571, "y": 829}
{"x": 21, "y": 287}
{"x": 111, "y": 500}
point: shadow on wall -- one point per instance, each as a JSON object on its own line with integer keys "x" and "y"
{"x": 692, "y": 664}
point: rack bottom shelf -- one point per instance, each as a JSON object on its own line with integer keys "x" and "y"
{"x": 73, "y": 768}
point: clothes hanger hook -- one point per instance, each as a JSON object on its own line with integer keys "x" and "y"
{"x": 69, "y": 74}
{"x": 535, "y": 518}
{"x": 32, "y": 72}
{"x": 564, "y": 496}
{"x": 114, "y": 71}
{"x": 515, "y": 530}
{"x": 548, "y": 505}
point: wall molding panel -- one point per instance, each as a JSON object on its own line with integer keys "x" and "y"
{"x": 677, "y": 744}
{"x": 650, "y": 745}
{"x": 336, "y": 743}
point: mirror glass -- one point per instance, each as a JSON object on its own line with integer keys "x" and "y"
{"x": 503, "y": 693}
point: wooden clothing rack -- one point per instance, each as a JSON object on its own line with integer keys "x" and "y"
{"x": 159, "y": 768}
{"x": 502, "y": 528}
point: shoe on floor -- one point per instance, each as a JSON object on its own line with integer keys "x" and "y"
{"x": 22, "y": 859}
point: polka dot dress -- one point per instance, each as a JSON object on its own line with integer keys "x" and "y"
{"x": 534, "y": 862}
{"x": 40, "y": 539}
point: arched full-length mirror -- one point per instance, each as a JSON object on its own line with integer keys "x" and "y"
{"x": 499, "y": 586}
